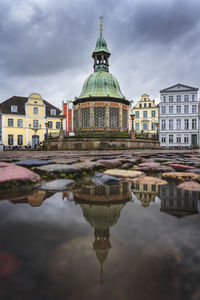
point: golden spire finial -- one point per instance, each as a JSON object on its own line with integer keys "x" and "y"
{"x": 101, "y": 23}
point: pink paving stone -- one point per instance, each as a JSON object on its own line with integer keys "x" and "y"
{"x": 181, "y": 167}
{"x": 10, "y": 172}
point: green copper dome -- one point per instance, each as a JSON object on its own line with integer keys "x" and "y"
{"x": 101, "y": 45}
{"x": 101, "y": 84}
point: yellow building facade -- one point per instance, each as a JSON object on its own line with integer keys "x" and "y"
{"x": 146, "y": 115}
{"x": 24, "y": 118}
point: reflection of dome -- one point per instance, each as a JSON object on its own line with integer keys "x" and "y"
{"x": 101, "y": 216}
{"x": 101, "y": 84}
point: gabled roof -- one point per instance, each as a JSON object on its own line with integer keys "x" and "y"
{"x": 15, "y": 100}
{"x": 179, "y": 87}
{"x": 20, "y": 103}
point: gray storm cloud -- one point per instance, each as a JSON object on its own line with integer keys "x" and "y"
{"x": 46, "y": 46}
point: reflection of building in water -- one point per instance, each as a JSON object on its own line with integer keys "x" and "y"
{"x": 101, "y": 218}
{"x": 177, "y": 202}
{"x": 104, "y": 193}
{"x": 145, "y": 193}
{"x": 101, "y": 206}
{"x": 34, "y": 199}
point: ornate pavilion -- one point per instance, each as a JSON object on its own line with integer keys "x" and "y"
{"x": 101, "y": 105}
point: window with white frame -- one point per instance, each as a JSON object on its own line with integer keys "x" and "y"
{"x": 186, "y": 98}
{"x": 186, "y": 139}
{"x": 178, "y": 139}
{"x": 137, "y": 114}
{"x": 171, "y": 138}
{"x": 194, "y": 124}
{"x": 20, "y": 139}
{"x": 178, "y": 98}
{"x": 145, "y": 126}
{"x": 171, "y": 109}
{"x": 144, "y": 114}
{"x": 193, "y": 97}
{"x": 163, "y": 124}
{"x": 13, "y": 108}
{"x": 137, "y": 126}
{"x": 10, "y": 122}
{"x": 171, "y": 98}
{"x": 53, "y": 112}
{"x": 186, "y": 123}
{"x": 163, "y": 110}
{"x": 164, "y": 98}
{"x": 171, "y": 124}
{"x": 178, "y": 124}
{"x": 10, "y": 139}
{"x": 57, "y": 125}
{"x": 35, "y": 123}
{"x": 50, "y": 124}
{"x": 163, "y": 139}
{"x": 178, "y": 109}
{"x": 194, "y": 109}
{"x": 186, "y": 109}
{"x": 35, "y": 110}
{"x": 153, "y": 126}
{"x": 19, "y": 123}
{"x": 153, "y": 113}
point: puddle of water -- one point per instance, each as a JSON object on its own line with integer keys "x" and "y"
{"x": 113, "y": 242}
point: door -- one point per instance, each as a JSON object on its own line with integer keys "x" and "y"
{"x": 194, "y": 140}
{"x": 35, "y": 141}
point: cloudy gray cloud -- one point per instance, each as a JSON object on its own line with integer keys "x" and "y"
{"x": 46, "y": 45}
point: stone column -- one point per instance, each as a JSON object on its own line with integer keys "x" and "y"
{"x": 120, "y": 117}
{"x": 79, "y": 118}
{"x": 107, "y": 116}
{"x": 92, "y": 116}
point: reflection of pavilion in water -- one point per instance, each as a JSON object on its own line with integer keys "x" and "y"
{"x": 145, "y": 193}
{"x": 114, "y": 193}
{"x": 177, "y": 202}
{"x": 101, "y": 206}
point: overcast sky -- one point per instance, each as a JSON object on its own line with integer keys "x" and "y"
{"x": 46, "y": 45}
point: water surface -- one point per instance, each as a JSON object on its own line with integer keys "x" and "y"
{"x": 119, "y": 242}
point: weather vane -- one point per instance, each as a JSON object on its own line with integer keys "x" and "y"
{"x": 101, "y": 23}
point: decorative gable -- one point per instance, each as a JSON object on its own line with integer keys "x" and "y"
{"x": 179, "y": 88}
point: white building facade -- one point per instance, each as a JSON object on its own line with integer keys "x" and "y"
{"x": 179, "y": 117}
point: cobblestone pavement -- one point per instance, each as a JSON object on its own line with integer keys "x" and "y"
{"x": 10, "y": 156}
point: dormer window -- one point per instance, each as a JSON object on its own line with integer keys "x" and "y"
{"x": 35, "y": 110}
{"x": 53, "y": 112}
{"x": 13, "y": 108}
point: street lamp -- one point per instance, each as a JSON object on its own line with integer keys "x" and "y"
{"x": 35, "y": 129}
{"x": 61, "y": 116}
{"x": 46, "y": 126}
{"x": 157, "y": 125}
{"x": 132, "y": 118}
